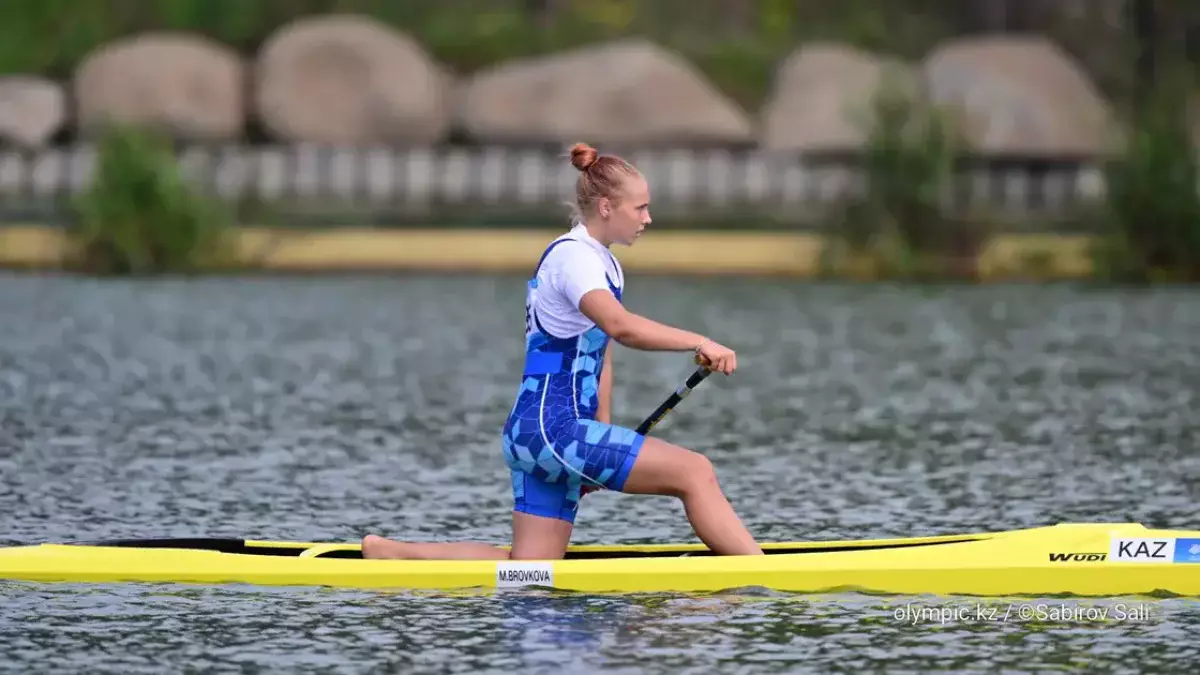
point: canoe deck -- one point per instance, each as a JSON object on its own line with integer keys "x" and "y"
{"x": 1098, "y": 559}
{"x": 244, "y": 547}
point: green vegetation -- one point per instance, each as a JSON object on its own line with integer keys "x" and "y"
{"x": 898, "y": 225}
{"x": 140, "y": 216}
{"x": 1151, "y": 229}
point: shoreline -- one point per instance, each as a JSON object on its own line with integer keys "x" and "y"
{"x": 797, "y": 254}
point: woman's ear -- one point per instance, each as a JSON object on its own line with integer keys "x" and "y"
{"x": 603, "y": 208}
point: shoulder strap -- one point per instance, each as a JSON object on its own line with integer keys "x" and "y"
{"x": 547, "y": 252}
{"x": 617, "y": 266}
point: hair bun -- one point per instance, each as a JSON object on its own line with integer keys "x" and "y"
{"x": 583, "y": 156}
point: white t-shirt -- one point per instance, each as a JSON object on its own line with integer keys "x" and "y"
{"x": 569, "y": 272}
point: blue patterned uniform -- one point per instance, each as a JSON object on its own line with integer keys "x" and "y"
{"x": 552, "y": 442}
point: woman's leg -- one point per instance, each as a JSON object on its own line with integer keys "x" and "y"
{"x": 377, "y": 547}
{"x": 539, "y": 537}
{"x": 534, "y": 536}
{"x": 662, "y": 468}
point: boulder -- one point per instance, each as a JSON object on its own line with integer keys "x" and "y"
{"x": 623, "y": 92}
{"x": 348, "y": 79}
{"x": 32, "y": 110}
{"x": 187, "y": 85}
{"x": 822, "y": 95}
{"x": 1018, "y": 95}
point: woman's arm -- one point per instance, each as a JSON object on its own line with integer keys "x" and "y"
{"x": 638, "y": 332}
{"x": 632, "y": 330}
{"x": 604, "y": 395}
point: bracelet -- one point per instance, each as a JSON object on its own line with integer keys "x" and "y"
{"x": 702, "y": 343}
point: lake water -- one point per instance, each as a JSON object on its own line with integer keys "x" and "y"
{"x": 326, "y": 408}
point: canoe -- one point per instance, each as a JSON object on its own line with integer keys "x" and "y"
{"x": 1090, "y": 559}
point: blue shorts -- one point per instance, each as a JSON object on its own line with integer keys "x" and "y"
{"x": 548, "y": 478}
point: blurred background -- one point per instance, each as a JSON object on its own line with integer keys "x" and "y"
{"x": 928, "y": 123}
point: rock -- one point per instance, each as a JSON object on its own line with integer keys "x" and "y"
{"x": 346, "y": 79}
{"x": 822, "y": 96}
{"x": 187, "y": 85}
{"x": 1019, "y": 95}
{"x": 32, "y": 110}
{"x": 623, "y": 92}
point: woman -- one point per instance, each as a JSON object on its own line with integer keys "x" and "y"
{"x": 558, "y": 440}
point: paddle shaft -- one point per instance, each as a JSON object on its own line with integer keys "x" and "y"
{"x": 673, "y": 400}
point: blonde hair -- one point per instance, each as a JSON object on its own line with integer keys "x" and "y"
{"x": 600, "y": 176}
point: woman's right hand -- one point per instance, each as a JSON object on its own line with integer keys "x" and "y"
{"x": 716, "y": 357}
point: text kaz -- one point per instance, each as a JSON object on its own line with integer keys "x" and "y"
{"x": 1144, "y": 550}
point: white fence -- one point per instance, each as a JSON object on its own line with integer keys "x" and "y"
{"x": 415, "y": 181}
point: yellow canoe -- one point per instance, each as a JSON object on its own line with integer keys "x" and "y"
{"x": 1094, "y": 559}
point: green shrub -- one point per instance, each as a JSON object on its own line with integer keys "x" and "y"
{"x": 898, "y": 223}
{"x": 140, "y": 216}
{"x": 1152, "y": 228}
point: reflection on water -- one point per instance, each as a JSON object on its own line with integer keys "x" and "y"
{"x": 149, "y": 628}
{"x": 323, "y": 409}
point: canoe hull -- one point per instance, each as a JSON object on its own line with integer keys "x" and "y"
{"x": 1073, "y": 559}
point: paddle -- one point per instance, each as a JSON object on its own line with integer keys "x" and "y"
{"x": 663, "y": 408}
{"x": 673, "y": 400}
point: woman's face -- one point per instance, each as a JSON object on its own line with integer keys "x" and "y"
{"x": 629, "y": 214}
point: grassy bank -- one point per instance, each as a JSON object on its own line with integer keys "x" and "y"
{"x": 351, "y": 249}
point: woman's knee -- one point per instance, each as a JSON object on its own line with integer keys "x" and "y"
{"x": 699, "y": 473}
{"x": 667, "y": 469}
{"x": 693, "y": 473}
